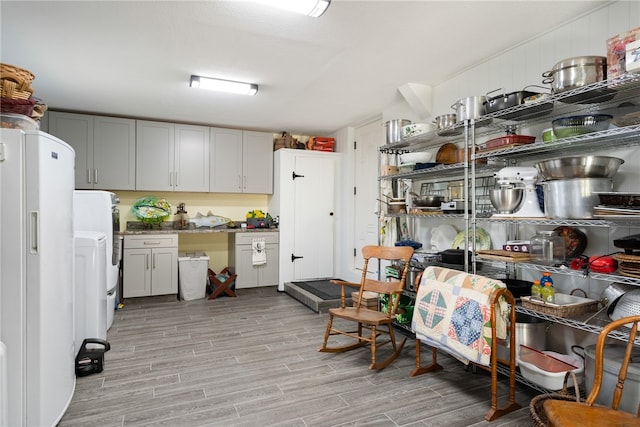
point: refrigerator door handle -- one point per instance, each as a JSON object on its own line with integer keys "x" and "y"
{"x": 34, "y": 228}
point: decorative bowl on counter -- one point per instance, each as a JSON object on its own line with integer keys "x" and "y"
{"x": 151, "y": 209}
{"x": 565, "y": 127}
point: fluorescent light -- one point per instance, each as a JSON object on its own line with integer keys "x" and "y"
{"x": 223, "y": 85}
{"x": 314, "y": 8}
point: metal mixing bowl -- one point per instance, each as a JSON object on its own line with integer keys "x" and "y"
{"x": 506, "y": 200}
{"x": 579, "y": 167}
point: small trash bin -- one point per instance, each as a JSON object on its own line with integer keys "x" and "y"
{"x": 192, "y": 272}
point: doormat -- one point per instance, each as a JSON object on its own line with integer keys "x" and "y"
{"x": 322, "y": 288}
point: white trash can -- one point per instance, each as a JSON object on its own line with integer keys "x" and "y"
{"x": 192, "y": 271}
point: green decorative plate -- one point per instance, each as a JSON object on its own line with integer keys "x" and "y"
{"x": 483, "y": 239}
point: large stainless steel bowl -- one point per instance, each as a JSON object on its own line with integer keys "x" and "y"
{"x": 506, "y": 200}
{"x": 579, "y": 167}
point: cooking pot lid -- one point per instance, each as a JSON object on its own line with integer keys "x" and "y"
{"x": 580, "y": 61}
{"x": 613, "y": 355}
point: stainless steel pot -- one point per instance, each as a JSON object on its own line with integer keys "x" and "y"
{"x": 471, "y": 107}
{"x": 394, "y": 129}
{"x": 530, "y": 331}
{"x": 573, "y": 198}
{"x": 576, "y": 72}
{"x": 612, "y": 360}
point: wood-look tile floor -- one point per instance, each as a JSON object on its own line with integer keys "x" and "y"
{"x": 253, "y": 361}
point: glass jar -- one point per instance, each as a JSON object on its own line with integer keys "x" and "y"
{"x": 547, "y": 248}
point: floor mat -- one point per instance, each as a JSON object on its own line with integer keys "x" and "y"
{"x": 321, "y": 288}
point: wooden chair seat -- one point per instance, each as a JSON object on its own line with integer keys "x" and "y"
{"x": 571, "y": 413}
{"x": 362, "y": 314}
{"x": 370, "y": 324}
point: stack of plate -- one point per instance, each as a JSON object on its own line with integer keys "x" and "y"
{"x": 617, "y": 204}
{"x": 628, "y": 265}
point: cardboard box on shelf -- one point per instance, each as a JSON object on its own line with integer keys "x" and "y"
{"x": 616, "y": 52}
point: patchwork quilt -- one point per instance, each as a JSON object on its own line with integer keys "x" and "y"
{"x": 453, "y": 313}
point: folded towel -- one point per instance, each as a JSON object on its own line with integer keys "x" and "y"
{"x": 259, "y": 251}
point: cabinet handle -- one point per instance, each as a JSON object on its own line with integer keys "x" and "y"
{"x": 177, "y": 179}
{"x": 88, "y": 175}
{"x": 154, "y": 261}
{"x": 95, "y": 176}
{"x": 151, "y": 242}
{"x": 146, "y": 261}
{"x": 239, "y": 182}
{"x": 170, "y": 179}
{"x": 244, "y": 182}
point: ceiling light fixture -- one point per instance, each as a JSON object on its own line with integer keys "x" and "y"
{"x": 223, "y": 85}
{"x": 313, "y": 8}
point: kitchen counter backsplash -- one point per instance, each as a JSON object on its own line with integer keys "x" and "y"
{"x": 169, "y": 227}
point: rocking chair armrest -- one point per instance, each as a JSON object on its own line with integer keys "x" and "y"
{"x": 345, "y": 283}
{"x": 342, "y": 283}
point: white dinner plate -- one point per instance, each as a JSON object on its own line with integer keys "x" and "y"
{"x": 442, "y": 236}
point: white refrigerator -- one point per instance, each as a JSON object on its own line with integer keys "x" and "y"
{"x": 36, "y": 276}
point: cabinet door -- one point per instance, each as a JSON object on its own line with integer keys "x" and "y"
{"x": 154, "y": 156}
{"x": 268, "y": 274}
{"x": 244, "y": 268}
{"x": 77, "y": 131}
{"x": 226, "y": 161}
{"x": 114, "y": 153}
{"x": 136, "y": 273}
{"x": 191, "y": 161}
{"x": 164, "y": 271}
{"x": 257, "y": 162}
{"x": 313, "y": 222}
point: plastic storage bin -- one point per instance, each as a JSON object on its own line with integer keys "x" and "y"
{"x": 192, "y": 274}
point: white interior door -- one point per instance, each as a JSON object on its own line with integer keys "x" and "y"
{"x": 314, "y": 217}
{"x": 368, "y": 139}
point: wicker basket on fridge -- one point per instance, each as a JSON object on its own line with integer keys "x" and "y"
{"x": 15, "y": 82}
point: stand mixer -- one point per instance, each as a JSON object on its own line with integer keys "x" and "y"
{"x": 520, "y": 177}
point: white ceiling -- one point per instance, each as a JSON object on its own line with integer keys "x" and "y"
{"x": 315, "y": 76}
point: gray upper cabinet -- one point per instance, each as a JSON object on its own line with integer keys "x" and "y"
{"x": 172, "y": 157}
{"x": 241, "y": 161}
{"x": 104, "y": 146}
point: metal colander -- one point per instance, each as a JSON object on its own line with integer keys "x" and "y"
{"x": 628, "y": 305}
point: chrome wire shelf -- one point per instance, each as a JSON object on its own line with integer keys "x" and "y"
{"x": 606, "y": 93}
{"x": 549, "y": 221}
{"x": 615, "y": 137}
{"x": 608, "y": 277}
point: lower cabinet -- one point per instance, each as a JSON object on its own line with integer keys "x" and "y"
{"x": 150, "y": 265}
{"x": 241, "y": 259}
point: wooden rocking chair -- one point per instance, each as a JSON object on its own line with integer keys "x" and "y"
{"x": 373, "y": 321}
